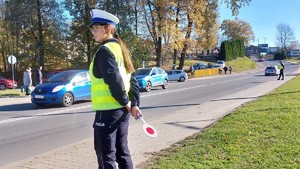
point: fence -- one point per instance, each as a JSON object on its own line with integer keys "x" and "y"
{"x": 206, "y": 72}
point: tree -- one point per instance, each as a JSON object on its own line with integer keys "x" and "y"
{"x": 79, "y": 32}
{"x": 33, "y": 32}
{"x": 285, "y": 36}
{"x": 194, "y": 16}
{"x": 237, "y": 29}
{"x": 174, "y": 21}
{"x": 208, "y": 35}
{"x": 235, "y": 5}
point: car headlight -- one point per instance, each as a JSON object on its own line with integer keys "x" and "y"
{"x": 57, "y": 88}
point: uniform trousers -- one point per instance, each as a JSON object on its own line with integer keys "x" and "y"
{"x": 111, "y": 139}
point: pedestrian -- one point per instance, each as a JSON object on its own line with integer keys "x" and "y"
{"x": 27, "y": 80}
{"x": 281, "y": 67}
{"x": 192, "y": 70}
{"x": 115, "y": 93}
{"x": 225, "y": 69}
{"x": 39, "y": 76}
{"x": 220, "y": 71}
{"x": 174, "y": 67}
{"x": 230, "y": 69}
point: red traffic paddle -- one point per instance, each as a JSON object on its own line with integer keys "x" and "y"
{"x": 148, "y": 129}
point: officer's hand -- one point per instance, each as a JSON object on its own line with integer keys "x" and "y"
{"x": 136, "y": 112}
{"x": 128, "y": 106}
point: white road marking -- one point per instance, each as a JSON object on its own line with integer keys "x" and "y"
{"x": 14, "y": 119}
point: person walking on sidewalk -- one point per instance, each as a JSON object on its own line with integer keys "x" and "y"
{"x": 114, "y": 92}
{"x": 27, "y": 80}
{"x": 281, "y": 67}
{"x": 230, "y": 69}
{"x": 39, "y": 76}
{"x": 225, "y": 69}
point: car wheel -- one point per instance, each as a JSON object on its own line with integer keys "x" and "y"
{"x": 165, "y": 85}
{"x": 148, "y": 86}
{"x": 181, "y": 79}
{"x": 2, "y": 86}
{"x": 67, "y": 100}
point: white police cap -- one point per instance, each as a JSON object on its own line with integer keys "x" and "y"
{"x": 100, "y": 16}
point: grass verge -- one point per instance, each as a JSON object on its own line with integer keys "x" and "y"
{"x": 241, "y": 64}
{"x": 11, "y": 92}
{"x": 260, "y": 134}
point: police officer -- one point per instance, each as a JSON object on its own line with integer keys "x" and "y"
{"x": 281, "y": 67}
{"x": 115, "y": 93}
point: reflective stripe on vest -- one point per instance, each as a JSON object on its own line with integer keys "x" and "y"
{"x": 100, "y": 93}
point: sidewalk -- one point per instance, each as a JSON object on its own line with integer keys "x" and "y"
{"x": 171, "y": 129}
{"x": 11, "y": 100}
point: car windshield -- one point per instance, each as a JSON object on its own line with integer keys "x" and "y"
{"x": 61, "y": 77}
{"x": 142, "y": 72}
{"x": 270, "y": 67}
{"x": 220, "y": 62}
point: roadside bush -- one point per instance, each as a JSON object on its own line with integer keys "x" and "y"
{"x": 279, "y": 55}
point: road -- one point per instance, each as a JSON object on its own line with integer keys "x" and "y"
{"x": 27, "y": 130}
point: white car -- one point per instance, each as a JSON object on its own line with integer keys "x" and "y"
{"x": 221, "y": 63}
{"x": 272, "y": 70}
{"x": 177, "y": 75}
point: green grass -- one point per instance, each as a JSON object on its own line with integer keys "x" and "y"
{"x": 294, "y": 60}
{"x": 11, "y": 92}
{"x": 261, "y": 134}
{"x": 241, "y": 64}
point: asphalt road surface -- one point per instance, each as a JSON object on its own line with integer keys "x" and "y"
{"x": 27, "y": 130}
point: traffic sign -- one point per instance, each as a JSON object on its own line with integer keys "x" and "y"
{"x": 12, "y": 59}
{"x": 148, "y": 129}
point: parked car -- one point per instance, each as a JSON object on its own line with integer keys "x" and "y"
{"x": 221, "y": 63}
{"x": 216, "y": 66}
{"x": 199, "y": 65}
{"x": 63, "y": 88}
{"x": 151, "y": 77}
{"x": 272, "y": 70}
{"x": 7, "y": 83}
{"x": 177, "y": 75}
{"x": 260, "y": 59}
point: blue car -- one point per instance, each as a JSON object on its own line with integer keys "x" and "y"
{"x": 63, "y": 88}
{"x": 151, "y": 77}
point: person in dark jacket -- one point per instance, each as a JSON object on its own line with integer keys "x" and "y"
{"x": 225, "y": 69}
{"x": 39, "y": 76}
{"x": 281, "y": 67}
{"x": 115, "y": 93}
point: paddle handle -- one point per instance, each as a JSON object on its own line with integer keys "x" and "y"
{"x": 142, "y": 119}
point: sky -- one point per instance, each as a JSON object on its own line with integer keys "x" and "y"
{"x": 264, "y": 15}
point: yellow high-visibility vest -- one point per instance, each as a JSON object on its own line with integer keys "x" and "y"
{"x": 281, "y": 67}
{"x": 100, "y": 93}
